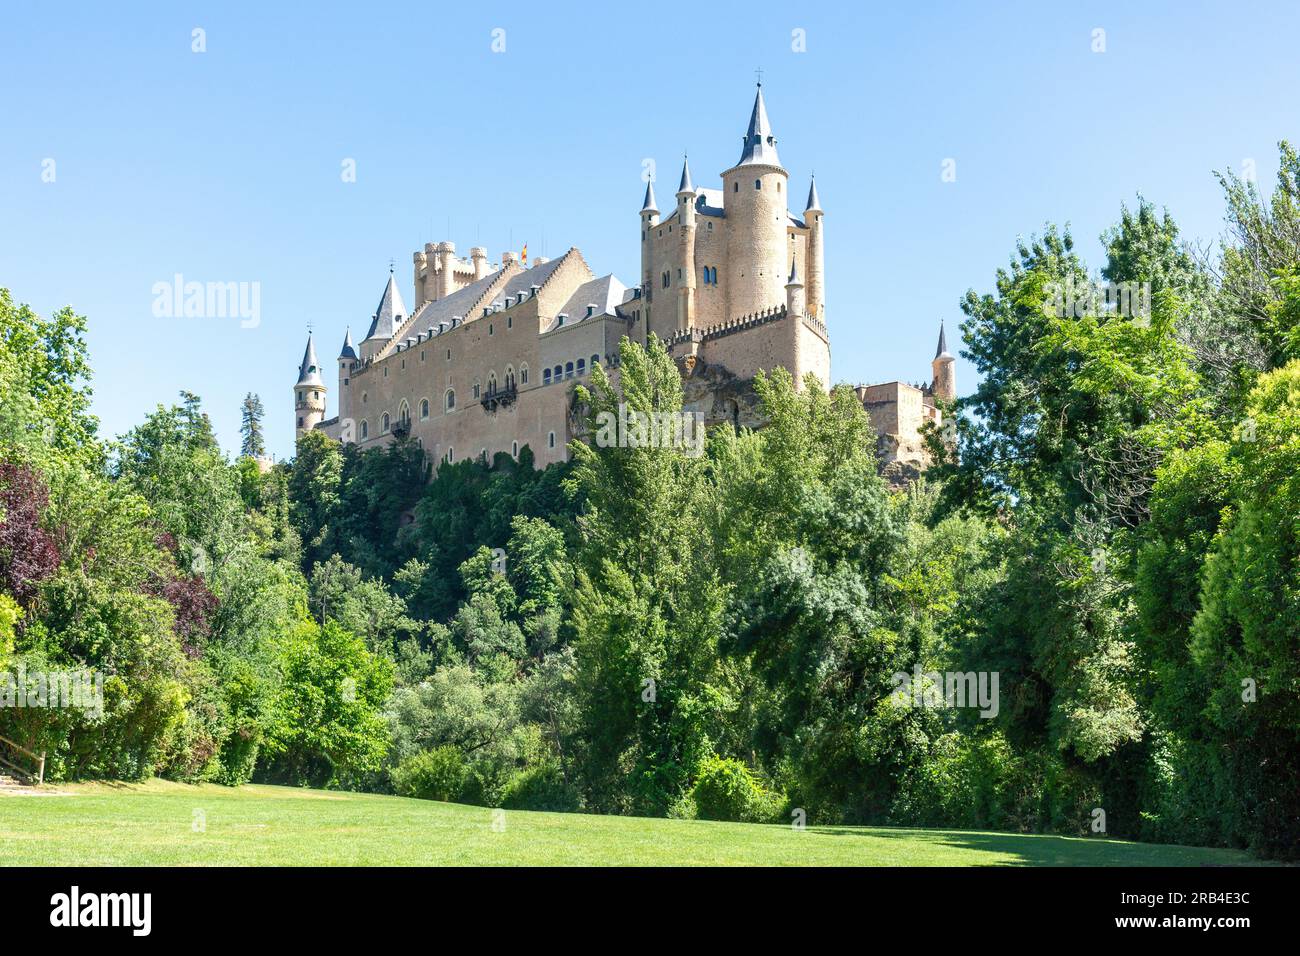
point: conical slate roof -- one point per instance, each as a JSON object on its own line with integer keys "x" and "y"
{"x": 649, "y": 204}
{"x": 685, "y": 186}
{"x": 309, "y": 371}
{"x": 390, "y": 314}
{"x": 814, "y": 201}
{"x": 794, "y": 274}
{"x": 348, "y": 351}
{"x": 760, "y": 144}
{"x": 942, "y": 350}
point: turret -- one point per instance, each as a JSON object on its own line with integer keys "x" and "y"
{"x": 944, "y": 368}
{"x": 347, "y": 365}
{"x": 478, "y": 255}
{"x": 795, "y": 302}
{"x": 686, "y": 249}
{"x": 754, "y": 199}
{"x": 387, "y": 319}
{"x": 649, "y": 219}
{"x": 308, "y": 393}
{"x": 816, "y": 261}
{"x": 422, "y": 274}
{"x": 795, "y": 305}
{"x": 446, "y": 267}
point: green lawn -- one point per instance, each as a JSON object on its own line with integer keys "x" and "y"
{"x": 153, "y": 824}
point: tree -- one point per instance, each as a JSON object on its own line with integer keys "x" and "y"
{"x": 252, "y": 413}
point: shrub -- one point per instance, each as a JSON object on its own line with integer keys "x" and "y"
{"x": 726, "y": 790}
{"x": 541, "y": 787}
{"x": 437, "y": 774}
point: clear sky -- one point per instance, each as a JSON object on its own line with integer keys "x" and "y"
{"x": 226, "y": 165}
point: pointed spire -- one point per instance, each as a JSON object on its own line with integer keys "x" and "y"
{"x": 649, "y": 204}
{"x": 389, "y": 315}
{"x": 760, "y": 144}
{"x": 685, "y": 185}
{"x": 794, "y": 275}
{"x": 942, "y": 350}
{"x": 814, "y": 201}
{"x": 348, "y": 351}
{"x": 309, "y": 370}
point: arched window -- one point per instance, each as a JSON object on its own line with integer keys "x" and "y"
{"x": 449, "y": 400}
{"x": 510, "y": 376}
{"x": 492, "y": 383}
{"x": 523, "y": 375}
{"x": 300, "y": 421}
{"x": 735, "y": 187}
{"x": 424, "y": 408}
{"x": 365, "y": 397}
{"x": 546, "y": 376}
{"x": 451, "y": 454}
{"x": 595, "y": 360}
{"x": 568, "y": 370}
{"x": 714, "y": 270}
{"x": 365, "y": 429}
{"x": 514, "y": 449}
{"x": 383, "y": 424}
{"x": 758, "y": 184}
{"x": 300, "y": 398}
{"x": 404, "y": 413}
{"x": 477, "y": 390}
{"x": 550, "y": 440}
{"x": 482, "y": 455}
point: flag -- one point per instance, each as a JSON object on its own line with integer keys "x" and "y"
{"x": 525, "y": 255}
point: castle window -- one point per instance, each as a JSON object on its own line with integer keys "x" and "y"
{"x": 424, "y": 408}
{"x": 714, "y": 271}
{"x": 482, "y": 455}
{"x": 550, "y": 440}
{"x": 383, "y": 424}
{"x": 523, "y": 375}
{"x": 514, "y": 449}
{"x": 492, "y": 383}
{"x": 365, "y": 429}
{"x": 385, "y": 371}
{"x": 558, "y": 372}
{"x": 510, "y": 321}
{"x": 510, "y": 376}
{"x": 404, "y": 413}
{"x": 735, "y": 187}
{"x": 421, "y": 355}
{"x": 490, "y": 330}
{"x": 403, "y": 363}
{"x": 300, "y": 398}
{"x": 758, "y": 184}
{"x": 449, "y": 400}
{"x": 347, "y": 381}
{"x": 300, "y": 421}
{"x": 568, "y": 370}
{"x": 582, "y": 366}
{"x": 778, "y": 185}
{"x": 365, "y": 397}
{"x": 546, "y": 376}
{"x": 448, "y": 355}
{"x": 451, "y": 454}
{"x": 316, "y": 395}
{"x": 595, "y": 360}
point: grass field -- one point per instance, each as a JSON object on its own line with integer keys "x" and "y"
{"x": 156, "y": 824}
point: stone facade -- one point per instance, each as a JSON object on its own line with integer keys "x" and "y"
{"x": 731, "y": 282}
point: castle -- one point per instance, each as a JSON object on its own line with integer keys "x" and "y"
{"x": 731, "y": 282}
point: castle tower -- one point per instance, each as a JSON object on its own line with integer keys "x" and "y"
{"x": 795, "y": 306}
{"x": 422, "y": 275}
{"x": 686, "y": 249}
{"x": 478, "y": 255}
{"x": 446, "y": 265}
{"x": 347, "y": 364}
{"x": 649, "y": 219}
{"x": 944, "y": 368}
{"x": 308, "y": 393}
{"x": 387, "y": 320}
{"x": 754, "y": 198}
{"x": 815, "y": 264}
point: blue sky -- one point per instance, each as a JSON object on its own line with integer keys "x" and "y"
{"x": 225, "y": 166}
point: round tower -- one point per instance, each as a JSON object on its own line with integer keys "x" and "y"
{"x": 686, "y": 249}
{"x": 944, "y": 368}
{"x": 308, "y": 393}
{"x": 815, "y": 263}
{"x": 446, "y": 263}
{"x": 478, "y": 255}
{"x": 649, "y": 219}
{"x": 421, "y": 276}
{"x": 754, "y": 198}
{"x": 347, "y": 365}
